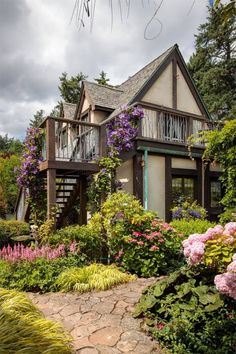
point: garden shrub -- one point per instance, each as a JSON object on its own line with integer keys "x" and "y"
{"x": 10, "y": 229}
{"x": 227, "y": 216}
{"x": 187, "y": 210}
{"x": 92, "y": 277}
{"x": 186, "y": 314}
{"x": 87, "y": 237}
{"x": 24, "y": 330}
{"x": 189, "y": 227}
{"x": 149, "y": 247}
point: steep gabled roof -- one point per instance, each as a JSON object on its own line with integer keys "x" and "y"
{"x": 68, "y": 110}
{"x": 134, "y": 84}
{"x": 104, "y": 96}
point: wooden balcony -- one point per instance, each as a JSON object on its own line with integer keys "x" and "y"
{"x": 170, "y": 127}
{"x": 70, "y": 145}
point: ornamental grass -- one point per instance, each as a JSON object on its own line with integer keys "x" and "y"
{"x": 24, "y": 330}
{"x": 92, "y": 277}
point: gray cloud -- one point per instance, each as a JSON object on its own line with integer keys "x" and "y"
{"x": 37, "y": 44}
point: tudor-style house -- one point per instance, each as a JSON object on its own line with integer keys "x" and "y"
{"x": 158, "y": 170}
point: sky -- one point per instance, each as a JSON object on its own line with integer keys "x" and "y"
{"x": 39, "y": 41}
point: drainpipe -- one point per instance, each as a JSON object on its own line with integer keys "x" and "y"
{"x": 145, "y": 180}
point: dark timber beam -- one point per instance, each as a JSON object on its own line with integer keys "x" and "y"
{"x": 51, "y": 192}
{"x": 83, "y": 201}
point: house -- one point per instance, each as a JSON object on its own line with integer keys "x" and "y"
{"x": 158, "y": 170}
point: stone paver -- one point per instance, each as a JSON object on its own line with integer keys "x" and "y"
{"x": 101, "y": 322}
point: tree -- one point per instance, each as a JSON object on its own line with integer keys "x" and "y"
{"x": 70, "y": 88}
{"x": 102, "y": 79}
{"x": 9, "y": 146}
{"x": 8, "y": 184}
{"x": 38, "y": 119}
{"x": 213, "y": 65}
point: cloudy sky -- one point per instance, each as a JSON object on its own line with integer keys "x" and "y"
{"x": 38, "y": 42}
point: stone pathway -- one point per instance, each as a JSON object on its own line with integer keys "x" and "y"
{"x": 101, "y": 322}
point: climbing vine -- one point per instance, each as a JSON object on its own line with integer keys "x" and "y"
{"x": 120, "y": 133}
{"x": 29, "y": 177}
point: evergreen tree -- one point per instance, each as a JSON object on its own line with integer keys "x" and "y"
{"x": 70, "y": 88}
{"x": 38, "y": 119}
{"x": 9, "y": 145}
{"x": 102, "y": 79}
{"x": 213, "y": 65}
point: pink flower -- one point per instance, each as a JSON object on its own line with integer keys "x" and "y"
{"x": 230, "y": 228}
{"x": 140, "y": 243}
{"x": 160, "y": 325}
{"x": 154, "y": 248}
{"x": 137, "y": 233}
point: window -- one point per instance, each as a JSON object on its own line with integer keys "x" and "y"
{"x": 182, "y": 189}
{"x": 216, "y": 193}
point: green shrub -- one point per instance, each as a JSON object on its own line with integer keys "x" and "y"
{"x": 92, "y": 277}
{"x": 24, "y": 330}
{"x": 190, "y": 227}
{"x": 186, "y": 314}
{"x": 87, "y": 237}
{"x": 39, "y": 275}
{"x": 148, "y": 247}
{"x": 228, "y": 215}
{"x": 10, "y": 229}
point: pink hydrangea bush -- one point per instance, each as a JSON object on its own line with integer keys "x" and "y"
{"x": 215, "y": 249}
{"x": 19, "y": 252}
{"x": 226, "y": 282}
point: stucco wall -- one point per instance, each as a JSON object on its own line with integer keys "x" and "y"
{"x": 156, "y": 184}
{"x": 185, "y": 100}
{"x": 161, "y": 91}
{"x": 97, "y": 116}
{"x": 125, "y": 175}
{"x": 85, "y": 105}
{"x": 183, "y": 163}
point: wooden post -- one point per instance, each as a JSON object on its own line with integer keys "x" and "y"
{"x": 51, "y": 173}
{"x": 138, "y": 176}
{"x": 168, "y": 188}
{"x": 83, "y": 201}
{"x": 51, "y": 192}
{"x": 50, "y": 139}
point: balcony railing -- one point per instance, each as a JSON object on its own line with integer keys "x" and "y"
{"x": 170, "y": 127}
{"x": 70, "y": 140}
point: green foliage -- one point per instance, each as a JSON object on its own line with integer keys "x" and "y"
{"x": 218, "y": 253}
{"x": 148, "y": 247}
{"x": 24, "y": 330}
{"x": 221, "y": 147}
{"x": 38, "y": 119}
{"x": 10, "y": 145}
{"x": 102, "y": 79}
{"x": 8, "y": 184}
{"x": 228, "y": 215}
{"x": 213, "y": 65}
{"x": 186, "y": 314}
{"x": 92, "y": 277}
{"x": 11, "y": 229}
{"x": 70, "y": 88}
{"x": 87, "y": 237}
{"x": 103, "y": 184}
{"x": 190, "y": 227}
{"x": 40, "y": 275}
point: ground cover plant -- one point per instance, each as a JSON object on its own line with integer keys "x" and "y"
{"x": 93, "y": 277}
{"x": 28, "y": 269}
{"x": 24, "y": 330}
{"x": 193, "y": 310}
